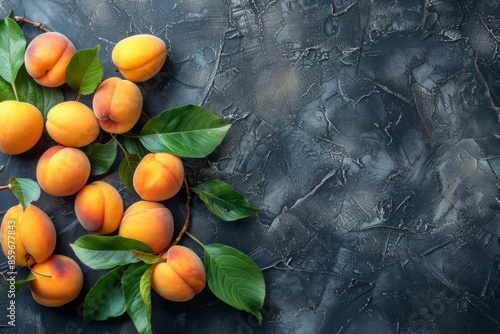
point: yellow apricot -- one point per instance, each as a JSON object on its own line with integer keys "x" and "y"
{"x": 59, "y": 280}
{"x": 72, "y": 123}
{"x": 117, "y": 104}
{"x": 99, "y": 207}
{"x": 28, "y": 236}
{"x": 47, "y": 57}
{"x": 159, "y": 176}
{"x": 22, "y": 127}
{"x": 62, "y": 171}
{"x": 139, "y": 57}
{"x": 149, "y": 222}
{"x": 180, "y": 276}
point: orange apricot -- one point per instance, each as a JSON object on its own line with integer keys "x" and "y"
{"x": 28, "y": 236}
{"x": 159, "y": 176}
{"x": 22, "y": 127}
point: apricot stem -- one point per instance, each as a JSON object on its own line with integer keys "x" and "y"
{"x": 188, "y": 215}
{"x": 27, "y": 260}
{"x": 119, "y": 144}
{"x": 39, "y": 25}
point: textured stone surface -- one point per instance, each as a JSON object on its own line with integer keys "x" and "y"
{"x": 365, "y": 130}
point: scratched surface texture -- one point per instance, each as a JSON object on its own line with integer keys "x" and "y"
{"x": 367, "y": 131}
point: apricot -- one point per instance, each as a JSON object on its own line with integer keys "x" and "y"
{"x": 47, "y": 57}
{"x": 117, "y": 104}
{"x": 149, "y": 222}
{"x": 158, "y": 176}
{"x": 59, "y": 280}
{"x": 180, "y": 276}
{"x": 139, "y": 57}
{"x": 22, "y": 127}
{"x": 28, "y": 236}
{"x": 72, "y": 123}
{"x": 62, "y": 171}
{"x": 99, "y": 207}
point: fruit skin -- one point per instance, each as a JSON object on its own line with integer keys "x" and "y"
{"x": 47, "y": 57}
{"x": 117, "y": 104}
{"x": 31, "y": 232}
{"x": 22, "y": 127}
{"x": 72, "y": 123}
{"x": 62, "y": 171}
{"x": 99, "y": 207}
{"x": 149, "y": 222}
{"x": 139, "y": 57}
{"x": 64, "y": 284}
{"x": 181, "y": 276}
{"x": 159, "y": 176}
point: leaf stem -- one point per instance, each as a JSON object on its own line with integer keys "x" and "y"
{"x": 5, "y": 187}
{"x": 188, "y": 215}
{"x": 39, "y": 25}
{"x": 78, "y": 97}
{"x": 195, "y": 239}
{"x": 14, "y": 89}
{"x": 119, "y": 144}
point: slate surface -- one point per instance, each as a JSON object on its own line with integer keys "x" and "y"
{"x": 365, "y": 130}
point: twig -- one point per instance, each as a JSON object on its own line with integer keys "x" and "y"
{"x": 38, "y": 25}
{"x": 5, "y": 187}
{"x": 188, "y": 214}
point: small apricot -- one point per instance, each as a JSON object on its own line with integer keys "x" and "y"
{"x": 47, "y": 57}
{"x": 99, "y": 207}
{"x": 22, "y": 127}
{"x": 72, "y": 123}
{"x": 180, "y": 276}
{"x": 159, "y": 176}
{"x": 149, "y": 222}
{"x": 28, "y": 236}
{"x": 59, "y": 280}
{"x": 62, "y": 171}
{"x": 139, "y": 57}
{"x": 117, "y": 104}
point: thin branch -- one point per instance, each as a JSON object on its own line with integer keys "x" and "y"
{"x": 38, "y": 25}
{"x": 188, "y": 215}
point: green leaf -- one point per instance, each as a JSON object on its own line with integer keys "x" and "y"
{"x": 135, "y": 289}
{"x": 224, "y": 201}
{"x": 105, "y": 299}
{"x": 134, "y": 146}
{"x": 26, "y": 190}
{"x": 12, "y": 48}
{"x": 101, "y": 156}
{"x": 235, "y": 279}
{"x": 188, "y": 131}
{"x": 105, "y": 252}
{"x": 85, "y": 71}
{"x": 21, "y": 282}
{"x": 28, "y": 90}
{"x": 127, "y": 169}
{"x": 6, "y": 91}
{"x": 147, "y": 257}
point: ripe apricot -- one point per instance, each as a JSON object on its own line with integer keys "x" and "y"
{"x": 158, "y": 176}
{"x": 62, "y": 171}
{"x": 72, "y": 123}
{"x": 28, "y": 236}
{"x": 149, "y": 222}
{"x": 180, "y": 276}
{"x": 139, "y": 57}
{"x": 99, "y": 207}
{"x": 22, "y": 127}
{"x": 59, "y": 280}
{"x": 117, "y": 104}
{"x": 47, "y": 57}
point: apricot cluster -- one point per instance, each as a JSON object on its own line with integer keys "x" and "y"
{"x": 64, "y": 170}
